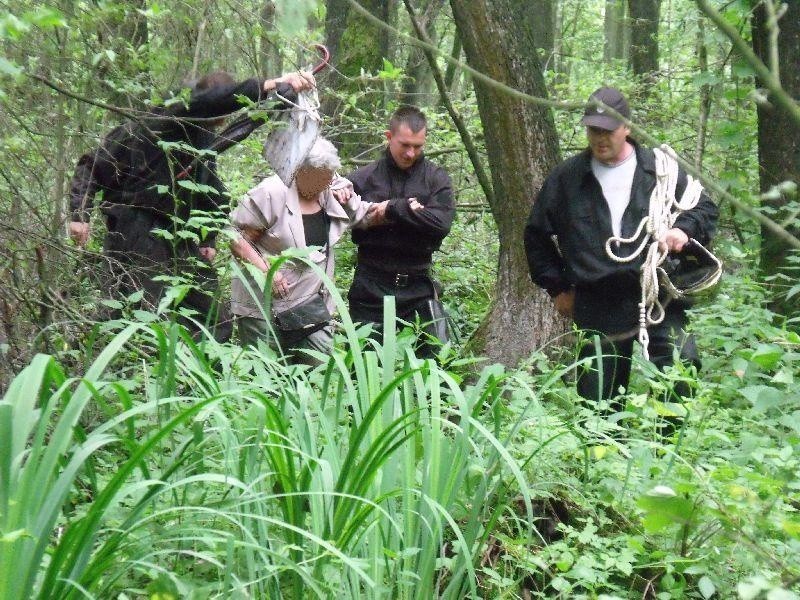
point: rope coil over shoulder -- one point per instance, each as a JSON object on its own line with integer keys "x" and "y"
{"x": 663, "y": 212}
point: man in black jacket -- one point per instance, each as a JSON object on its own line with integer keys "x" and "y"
{"x": 602, "y": 192}
{"x": 414, "y": 213}
{"x": 152, "y": 176}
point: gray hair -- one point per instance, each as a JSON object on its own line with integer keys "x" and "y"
{"x": 322, "y": 155}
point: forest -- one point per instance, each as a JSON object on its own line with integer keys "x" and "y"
{"x": 138, "y": 460}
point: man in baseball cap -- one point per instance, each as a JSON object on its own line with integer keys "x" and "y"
{"x": 602, "y": 192}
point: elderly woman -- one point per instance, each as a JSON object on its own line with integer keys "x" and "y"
{"x": 313, "y": 212}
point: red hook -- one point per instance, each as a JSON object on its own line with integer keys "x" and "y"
{"x": 326, "y": 57}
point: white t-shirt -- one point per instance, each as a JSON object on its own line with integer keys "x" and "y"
{"x": 616, "y": 181}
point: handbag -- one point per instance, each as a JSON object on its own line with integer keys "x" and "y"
{"x": 297, "y": 323}
{"x": 300, "y": 321}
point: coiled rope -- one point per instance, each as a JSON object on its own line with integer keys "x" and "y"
{"x": 663, "y": 212}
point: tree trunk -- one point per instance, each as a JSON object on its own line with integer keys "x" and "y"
{"x": 419, "y": 82}
{"x": 705, "y": 95}
{"x": 614, "y": 28}
{"x": 644, "y": 15}
{"x": 271, "y": 61}
{"x": 543, "y": 31}
{"x": 521, "y": 140}
{"x": 356, "y": 45}
{"x": 450, "y": 79}
{"x": 778, "y": 137}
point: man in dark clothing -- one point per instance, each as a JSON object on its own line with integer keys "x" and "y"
{"x": 600, "y": 193}
{"x": 152, "y": 176}
{"x": 414, "y": 213}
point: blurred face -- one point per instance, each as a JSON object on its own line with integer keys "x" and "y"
{"x": 405, "y": 146}
{"x": 608, "y": 146}
{"x": 311, "y": 182}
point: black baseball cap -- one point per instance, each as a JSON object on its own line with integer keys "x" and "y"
{"x": 596, "y": 116}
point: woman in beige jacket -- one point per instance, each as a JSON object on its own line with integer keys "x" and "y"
{"x": 314, "y": 212}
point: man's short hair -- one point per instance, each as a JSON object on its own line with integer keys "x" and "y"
{"x": 410, "y": 116}
{"x": 215, "y": 79}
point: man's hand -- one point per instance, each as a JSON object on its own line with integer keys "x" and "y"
{"x": 300, "y": 80}
{"x": 414, "y": 204}
{"x": 377, "y": 214}
{"x": 280, "y": 287}
{"x": 674, "y": 240}
{"x": 208, "y": 253}
{"x": 79, "y": 232}
{"x": 565, "y": 303}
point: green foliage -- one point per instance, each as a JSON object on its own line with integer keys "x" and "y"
{"x": 355, "y": 475}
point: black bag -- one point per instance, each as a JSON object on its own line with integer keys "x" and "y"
{"x": 298, "y": 322}
{"x": 694, "y": 272}
{"x": 437, "y": 326}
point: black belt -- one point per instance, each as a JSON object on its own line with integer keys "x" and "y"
{"x": 393, "y": 278}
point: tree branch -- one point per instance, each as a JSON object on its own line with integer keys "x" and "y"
{"x": 769, "y": 78}
{"x": 469, "y": 145}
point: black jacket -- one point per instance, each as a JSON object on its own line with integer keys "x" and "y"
{"x": 133, "y": 167}
{"x": 407, "y": 242}
{"x": 571, "y": 208}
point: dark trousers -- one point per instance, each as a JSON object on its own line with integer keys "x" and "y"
{"x": 609, "y": 357}
{"x": 139, "y": 258}
{"x": 412, "y": 293}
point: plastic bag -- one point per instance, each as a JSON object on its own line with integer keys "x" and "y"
{"x": 287, "y": 146}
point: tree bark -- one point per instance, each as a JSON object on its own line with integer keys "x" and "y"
{"x": 419, "y": 81}
{"x": 543, "y": 31}
{"x": 356, "y": 45}
{"x": 271, "y": 61}
{"x": 778, "y": 135}
{"x": 521, "y": 140}
{"x": 614, "y": 29}
{"x": 644, "y": 15}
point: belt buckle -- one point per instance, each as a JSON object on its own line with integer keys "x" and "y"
{"x": 401, "y": 280}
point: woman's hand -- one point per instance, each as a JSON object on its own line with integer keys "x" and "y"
{"x": 280, "y": 285}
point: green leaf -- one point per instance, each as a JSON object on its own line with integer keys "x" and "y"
{"x": 12, "y": 27}
{"x": 173, "y": 294}
{"x": 763, "y": 397}
{"x": 663, "y": 507}
{"x": 767, "y": 356}
{"x": 144, "y": 316}
{"x": 9, "y": 68}
{"x": 114, "y": 304}
{"x": 46, "y": 17}
{"x": 706, "y": 587}
{"x": 167, "y": 235}
{"x": 197, "y": 187}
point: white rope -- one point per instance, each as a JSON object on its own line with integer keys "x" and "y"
{"x": 662, "y": 214}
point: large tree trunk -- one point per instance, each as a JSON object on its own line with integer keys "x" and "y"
{"x": 522, "y": 147}
{"x": 644, "y": 16}
{"x": 778, "y": 136}
{"x": 614, "y": 29}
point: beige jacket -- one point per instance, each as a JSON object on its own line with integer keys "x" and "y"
{"x": 274, "y": 209}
